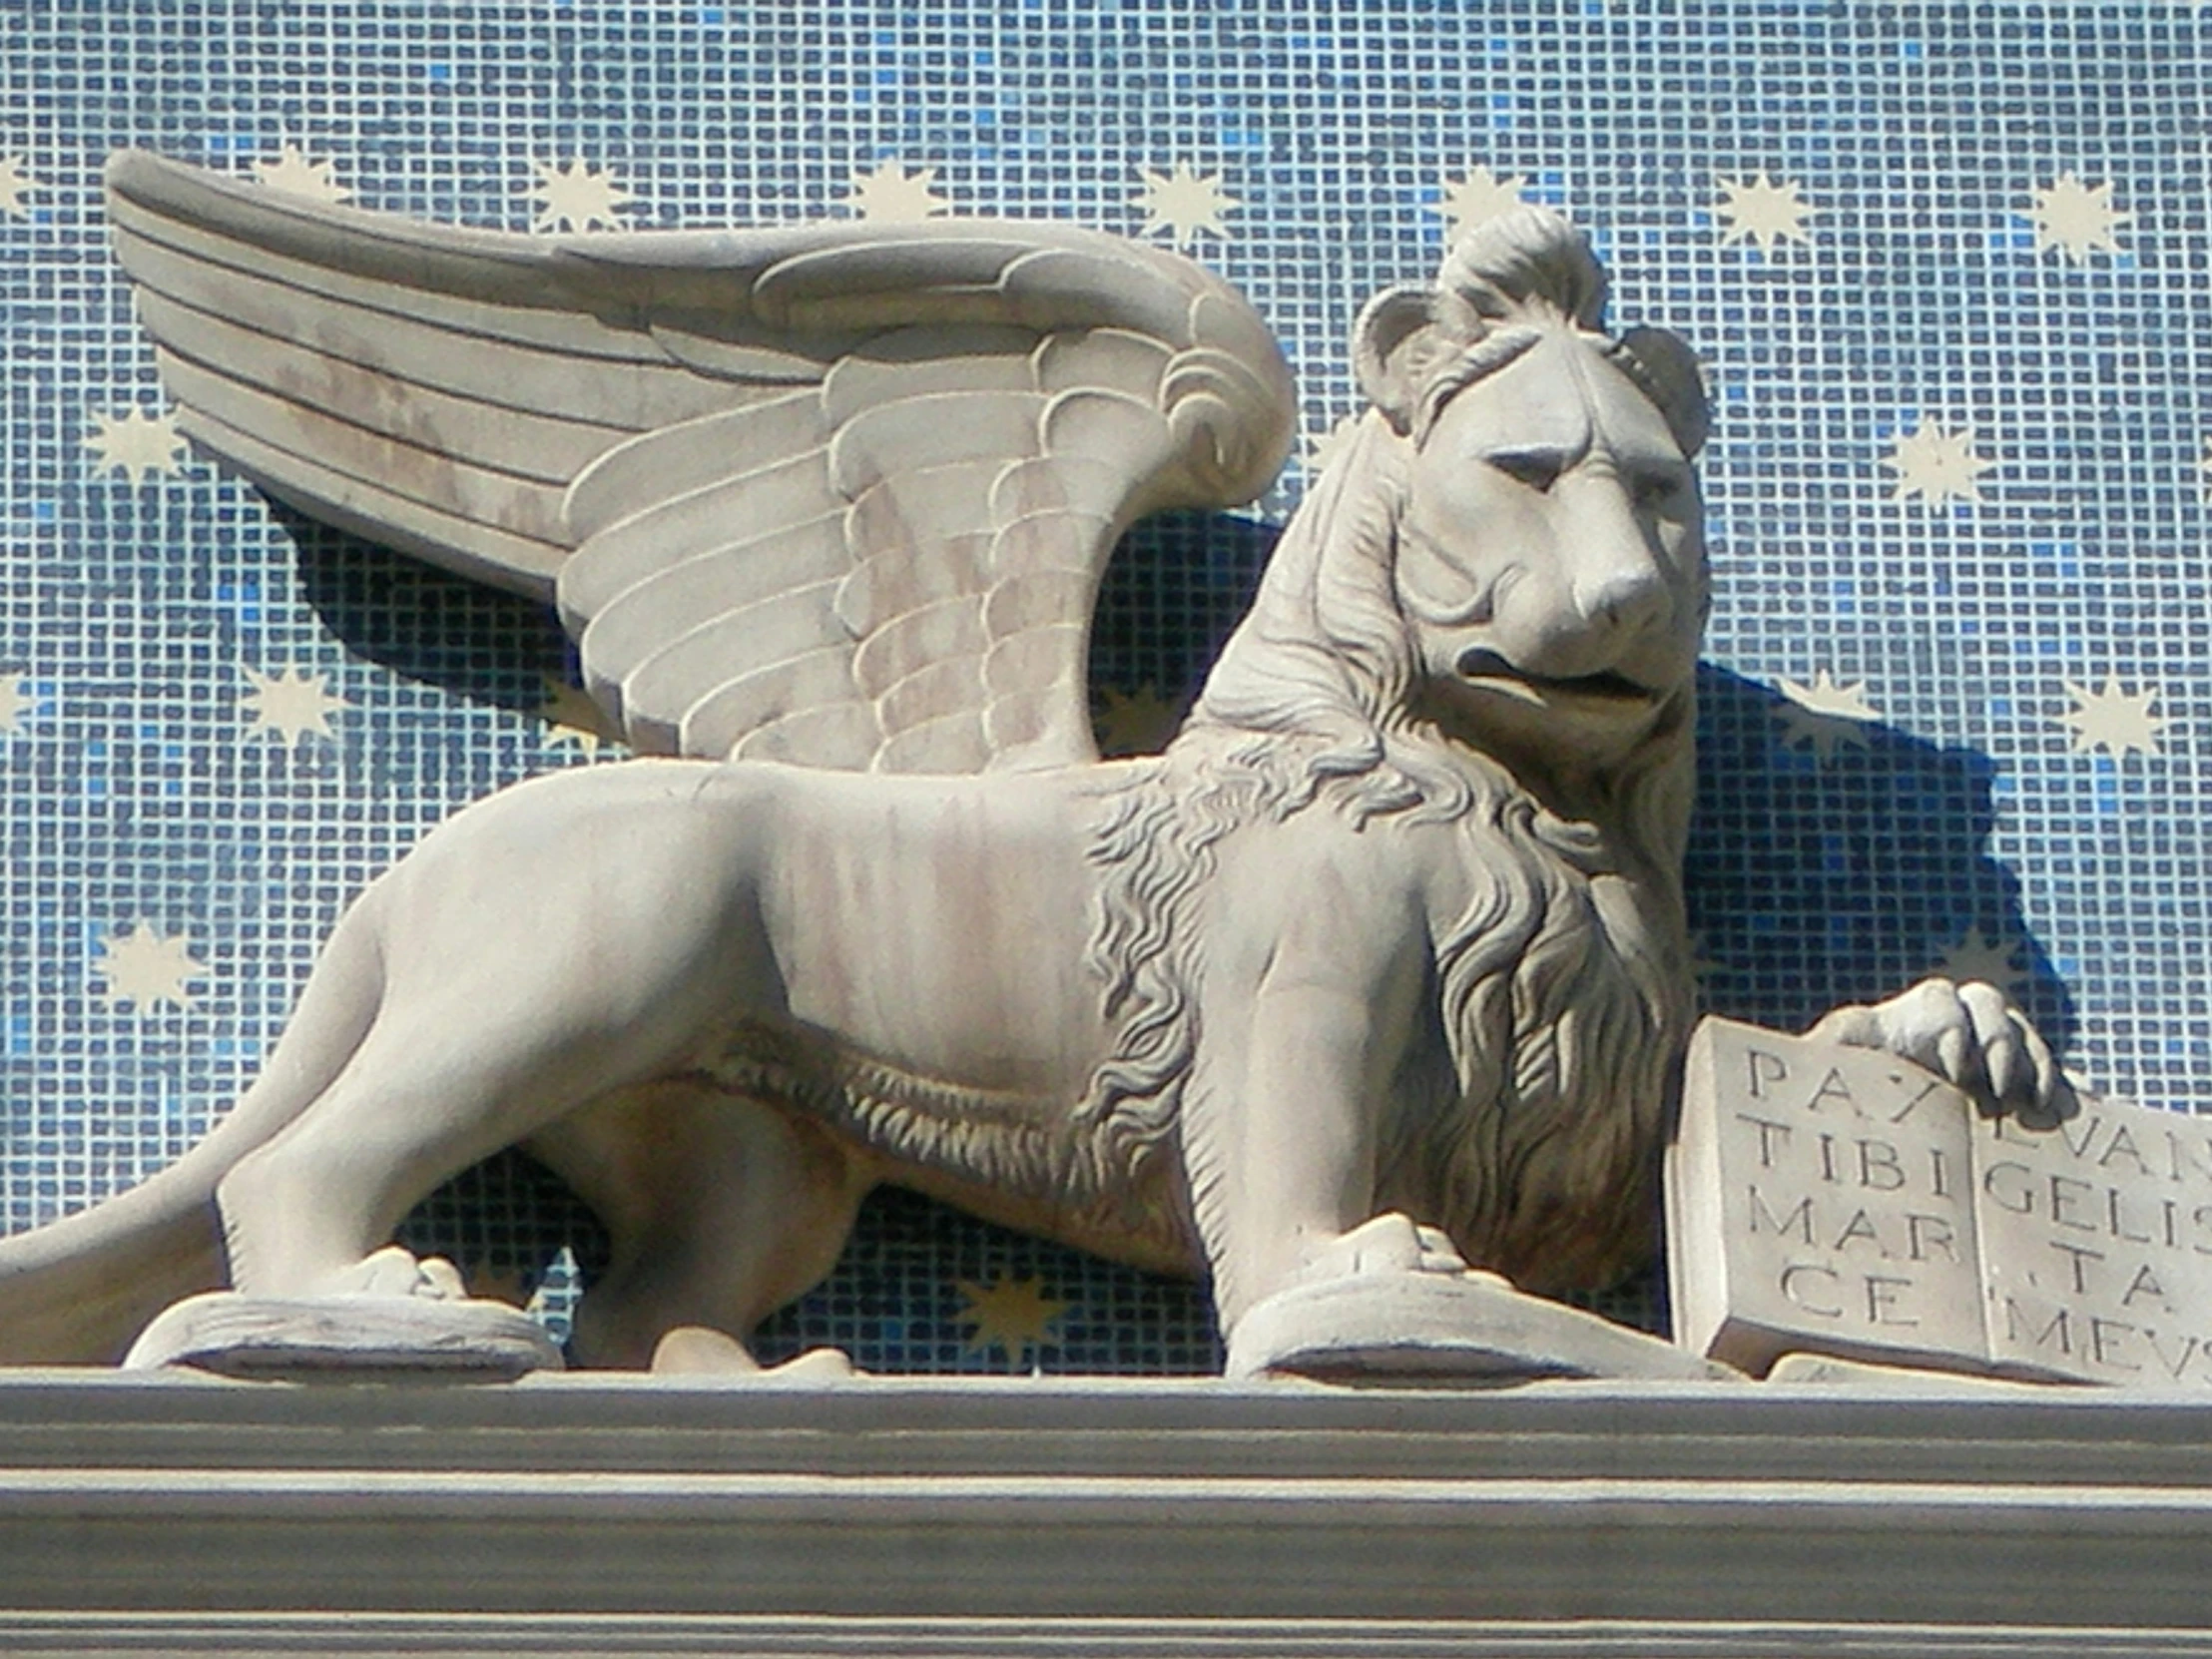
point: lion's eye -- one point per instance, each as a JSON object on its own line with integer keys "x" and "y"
{"x": 1537, "y": 468}
{"x": 1655, "y": 489}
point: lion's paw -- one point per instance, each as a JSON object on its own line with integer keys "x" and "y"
{"x": 393, "y": 1270}
{"x": 1391, "y": 1243}
{"x": 698, "y": 1350}
{"x": 1968, "y": 1031}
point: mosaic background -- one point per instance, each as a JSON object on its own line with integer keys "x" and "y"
{"x": 1949, "y": 266}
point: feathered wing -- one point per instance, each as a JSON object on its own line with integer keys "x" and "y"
{"x": 839, "y": 494}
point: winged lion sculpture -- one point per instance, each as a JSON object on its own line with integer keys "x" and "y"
{"x": 1378, "y": 973}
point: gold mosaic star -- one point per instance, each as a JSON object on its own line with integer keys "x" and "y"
{"x": 1764, "y": 212}
{"x": 894, "y": 196}
{"x": 292, "y": 703}
{"x": 1324, "y": 450}
{"x": 15, "y": 184}
{"x": 1183, "y": 202}
{"x": 571, "y": 716}
{"x": 295, "y": 175}
{"x": 1476, "y": 199}
{"x": 1936, "y": 465}
{"x": 1136, "y": 723}
{"x": 15, "y": 700}
{"x": 1825, "y": 697}
{"x": 1012, "y": 1313}
{"x": 2112, "y": 719}
{"x": 2076, "y": 218}
{"x": 575, "y": 198}
{"x": 1823, "y": 715}
{"x": 1979, "y": 955}
{"x": 146, "y": 969}
{"x": 137, "y": 444}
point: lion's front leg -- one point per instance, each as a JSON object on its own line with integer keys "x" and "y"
{"x": 1310, "y": 1022}
{"x": 1281, "y": 1130}
{"x": 1302, "y": 1029}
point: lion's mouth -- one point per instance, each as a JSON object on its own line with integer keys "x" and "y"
{"x": 1609, "y": 687}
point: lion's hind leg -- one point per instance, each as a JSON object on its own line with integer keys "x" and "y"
{"x": 307, "y": 1217}
{"x": 457, "y": 1064}
{"x": 720, "y": 1210}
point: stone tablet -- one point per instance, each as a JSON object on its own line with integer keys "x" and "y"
{"x": 1836, "y": 1200}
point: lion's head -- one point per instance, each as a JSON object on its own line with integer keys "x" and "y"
{"x": 1510, "y": 557}
{"x": 1488, "y": 612}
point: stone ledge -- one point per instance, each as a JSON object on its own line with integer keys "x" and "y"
{"x": 484, "y": 1636}
{"x": 1093, "y": 1517}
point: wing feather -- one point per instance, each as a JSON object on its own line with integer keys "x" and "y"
{"x": 500, "y": 373}
{"x": 1037, "y": 597}
{"x": 915, "y": 363}
{"x": 1084, "y": 485}
{"x": 719, "y": 590}
{"x": 949, "y": 633}
{"x": 234, "y": 232}
{"x": 676, "y": 466}
{"x": 1113, "y": 359}
{"x": 1015, "y": 729}
{"x": 714, "y": 724}
{"x": 473, "y": 547}
{"x": 934, "y": 429}
{"x": 792, "y": 508}
{"x": 924, "y": 507}
{"x": 326, "y": 446}
{"x": 891, "y": 584}
{"x": 931, "y": 694}
{"x": 839, "y": 736}
{"x": 839, "y": 494}
{"x": 1032, "y": 661}
{"x": 549, "y": 449}
{"x": 781, "y": 630}
{"x": 955, "y": 743}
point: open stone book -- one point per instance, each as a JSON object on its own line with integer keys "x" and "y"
{"x": 1840, "y": 1201}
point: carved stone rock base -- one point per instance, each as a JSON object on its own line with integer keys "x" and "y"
{"x": 347, "y": 1338}
{"x": 1441, "y": 1329}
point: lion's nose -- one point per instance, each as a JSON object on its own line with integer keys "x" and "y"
{"x": 1628, "y": 598}
{"x": 1618, "y": 584}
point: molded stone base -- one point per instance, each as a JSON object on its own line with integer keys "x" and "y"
{"x": 1427, "y": 1330}
{"x": 365, "y": 1339}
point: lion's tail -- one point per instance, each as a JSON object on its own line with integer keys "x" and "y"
{"x": 79, "y": 1291}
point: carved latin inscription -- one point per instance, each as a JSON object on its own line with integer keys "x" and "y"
{"x": 1843, "y": 1201}
{"x": 2096, "y": 1245}
{"x": 1821, "y": 1201}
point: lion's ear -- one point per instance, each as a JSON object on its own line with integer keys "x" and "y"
{"x": 1671, "y": 372}
{"x": 1401, "y": 335}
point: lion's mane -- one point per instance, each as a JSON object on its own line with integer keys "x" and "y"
{"x": 1528, "y": 1128}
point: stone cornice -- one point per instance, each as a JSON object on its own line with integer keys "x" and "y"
{"x": 1098, "y": 1518}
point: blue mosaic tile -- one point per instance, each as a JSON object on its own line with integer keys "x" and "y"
{"x": 1948, "y": 265}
